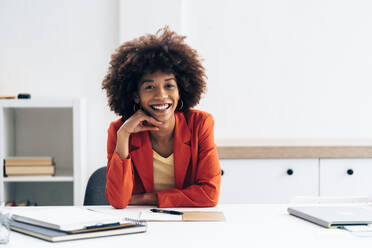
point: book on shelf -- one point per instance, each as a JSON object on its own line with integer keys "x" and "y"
{"x": 8, "y": 97}
{"x": 28, "y": 161}
{"x": 20, "y": 203}
{"x": 30, "y": 170}
{"x": 57, "y": 236}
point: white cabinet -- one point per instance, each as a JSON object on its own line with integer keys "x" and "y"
{"x": 346, "y": 177}
{"x": 255, "y": 171}
{"x": 45, "y": 128}
{"x": 268, "y": 180}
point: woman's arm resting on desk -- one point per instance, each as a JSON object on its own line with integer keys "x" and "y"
{"x": 205, "y": 195}
{"x": 144, "y": 199}
{"x": 119, "y": 184}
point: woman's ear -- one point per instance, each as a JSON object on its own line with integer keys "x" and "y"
{"x": 136, "y": 98}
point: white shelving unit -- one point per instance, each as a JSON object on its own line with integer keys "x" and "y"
{"x": 44, "y": 127}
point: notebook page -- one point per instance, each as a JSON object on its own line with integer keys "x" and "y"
{"x": 131, "y": 213}
{"x": 147, "y": 215}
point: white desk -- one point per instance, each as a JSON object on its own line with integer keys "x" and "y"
{"x": 247, "y": 225}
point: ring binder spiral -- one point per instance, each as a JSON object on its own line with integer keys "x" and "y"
{"x": 136, "y": 221}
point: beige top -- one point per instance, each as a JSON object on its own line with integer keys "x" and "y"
{"x": 163, "y": 172}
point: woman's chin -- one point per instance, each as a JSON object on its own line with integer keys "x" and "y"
{"x": 164, "y": 117}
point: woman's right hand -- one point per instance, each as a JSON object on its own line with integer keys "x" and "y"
{"x": 138, "y": 122}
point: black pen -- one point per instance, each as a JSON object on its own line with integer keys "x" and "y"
{"x": 155, "y": 210}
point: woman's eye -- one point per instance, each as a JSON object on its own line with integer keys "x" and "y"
{"x": 169, "y": 86}
{"x": 149, "y": 87}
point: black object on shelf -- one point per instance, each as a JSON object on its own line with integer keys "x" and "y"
{"x": 24, "y": 96}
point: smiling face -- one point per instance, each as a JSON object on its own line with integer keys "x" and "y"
{"x": 158, "y": 95}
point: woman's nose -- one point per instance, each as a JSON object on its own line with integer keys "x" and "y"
{"x": 161, "y": 93}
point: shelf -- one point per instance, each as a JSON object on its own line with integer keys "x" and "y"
{"x": 61, "y": 176}
{"x": 44, "y": 126}
{"x": 36, "y": 103}
{"x": 39, "y": 179}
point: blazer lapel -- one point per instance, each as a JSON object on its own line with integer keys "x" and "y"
{"x": 142, "y": 157}
{"x": 181, "y": 149}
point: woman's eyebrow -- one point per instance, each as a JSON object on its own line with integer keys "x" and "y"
{"x": 147, "y": 81}
{"x": 150, "y": 80}
{"x": 169, "y": 79}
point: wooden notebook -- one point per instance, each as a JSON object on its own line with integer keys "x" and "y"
{"x": 201, "y": 216}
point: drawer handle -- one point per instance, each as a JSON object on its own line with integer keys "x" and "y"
{"x": 290, "y": 172}
{"x": 222, "y": 172}
{"x": 350, "y": 172}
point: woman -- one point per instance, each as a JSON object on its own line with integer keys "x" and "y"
{"x": 161, "y": 151}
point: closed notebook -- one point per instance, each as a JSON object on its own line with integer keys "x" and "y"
{"x": 29, "y": 170}
{"x": 201, "y": 216}
{"x": 57, "y": 236}
{"x": 65, "y": 218}
{"x": 27, "y": 161}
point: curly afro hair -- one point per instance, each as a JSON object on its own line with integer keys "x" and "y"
{"x": 165, "y": 51}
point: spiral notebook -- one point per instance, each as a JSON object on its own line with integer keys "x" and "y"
{"x": 52, "y": 235}
{"x": 66, "y": 218}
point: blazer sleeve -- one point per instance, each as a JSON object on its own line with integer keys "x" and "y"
{"x": 119, "y": 178}
{"x": 205, "y": 191}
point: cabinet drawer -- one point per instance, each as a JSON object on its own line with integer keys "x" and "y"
{"x": 268, "y": 180}
{"x": 346, "y": 177}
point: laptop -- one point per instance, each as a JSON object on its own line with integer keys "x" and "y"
{"x": 334, "y": 216}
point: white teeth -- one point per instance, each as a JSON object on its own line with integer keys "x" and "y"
{"x": 160, "y": 107}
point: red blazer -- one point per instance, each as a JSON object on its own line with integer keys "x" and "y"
{"x": 197, "y": 171}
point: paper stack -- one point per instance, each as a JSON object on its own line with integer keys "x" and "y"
{"x": 49, "y": 224}
{"x": 29, "y": 166}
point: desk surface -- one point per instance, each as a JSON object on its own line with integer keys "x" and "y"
{"x": 247, "y": 225}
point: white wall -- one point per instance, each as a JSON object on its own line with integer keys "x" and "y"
{"x": 277, "y": 69}
{"x": 286, "y": 69}
{"x": 147, "y": 16}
